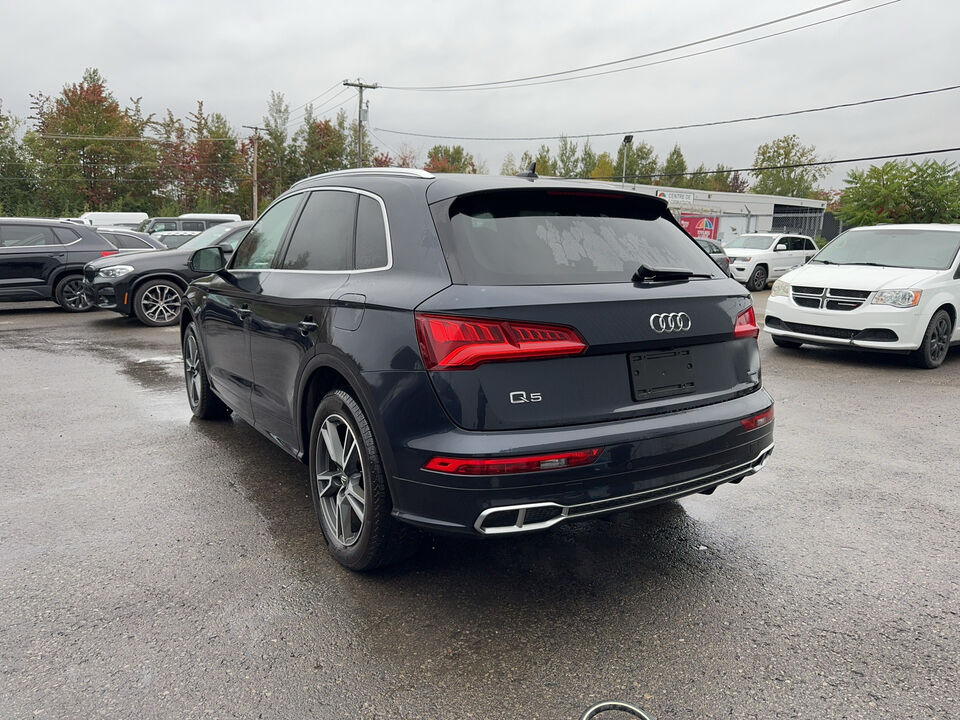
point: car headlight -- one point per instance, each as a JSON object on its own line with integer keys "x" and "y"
{"x": 743, "y": 259}
{"x": 780, "y": 289}
{"x": 114, "y": 271}
{"x": 898, "y": 298}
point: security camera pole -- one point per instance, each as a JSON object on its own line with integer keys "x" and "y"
{"x": 361, "y": 86}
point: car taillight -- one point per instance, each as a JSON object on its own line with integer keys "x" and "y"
{"x": 504, "y": 466}
{"x": 454, "y": 343}
{"x": 107, "y": 253}
{"x": 746, "y": 325}
{"x": 755, "y": 421}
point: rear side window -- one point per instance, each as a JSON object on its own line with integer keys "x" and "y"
{"x": 125, "y": 242}
{"x": 66, "y": 236}
{"x": 371, "y": 235}
{"x": 26, "y": 236}
{"x": 164, "y": 225}
{"x": 192, "y": 225}
{"x": 560, "y": 237}
{"x": 323, "y": 238}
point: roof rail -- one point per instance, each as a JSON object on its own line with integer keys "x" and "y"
{"x": 408, "y": 172}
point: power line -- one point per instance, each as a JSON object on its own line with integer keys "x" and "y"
{"x": 323, "y": 106}
{"x": 526, "y": 81}
{"x": 712, "y": 123}
{"x": 792, "y": 166}
{"x": 335, "y": 85}
{"x": 132, "y": 138}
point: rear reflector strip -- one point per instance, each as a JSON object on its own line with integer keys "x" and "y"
{"x": 746, "y": 325}
{"x": 454, "y": 343}
{"x": 504, "y": 466}
{"x": 756, "y": 421}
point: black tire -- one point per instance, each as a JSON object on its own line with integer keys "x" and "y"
{"x": 71, "y": 296}
{"x": 377, "y": 539}
{"x": 204, "y": 404}
{"x": 758, "y": 280}
{"x": 936, "y": 342}
{"x": 158, "y": 303}
{"x": 784, "y": 343}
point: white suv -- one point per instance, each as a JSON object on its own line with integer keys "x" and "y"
{"x": 758, "y": 258}
{"x": 887, "y": 287}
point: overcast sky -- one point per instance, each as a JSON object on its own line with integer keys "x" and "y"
{"x": 232, "y": 54}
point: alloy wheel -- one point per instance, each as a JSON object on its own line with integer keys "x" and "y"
{"x": 74, "y": 295}
{"x": 191, "y": 366}
{"x": 940, "y": 339}
{"x": 341, "y": 478}
{"x": 161, "y": 303}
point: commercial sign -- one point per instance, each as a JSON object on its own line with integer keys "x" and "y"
{"x": 700, "y": 226}
{"x": 676, "y": 198}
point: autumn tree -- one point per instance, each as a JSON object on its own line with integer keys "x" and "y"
{"x": 781, "y": 176}
{"x": 449, "y": 159}
{"x": 603, "y": 170}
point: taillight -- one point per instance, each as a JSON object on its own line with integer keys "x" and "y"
{"x": 107, "y": 253}
{"x": 746, "y": 325}
{"x": 756, "y": 421}
{"x": 503, "y": 466}
{"x": 453, "y": 343}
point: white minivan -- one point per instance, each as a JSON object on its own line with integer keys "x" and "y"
{"x": 758, "y": 258}
{"x": 884, "y": 287}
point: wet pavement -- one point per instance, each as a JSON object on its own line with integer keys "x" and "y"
{"x": 159, "y": 567}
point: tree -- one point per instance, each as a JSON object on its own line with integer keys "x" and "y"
{"x": 588, "y": 160}
{"x": 275, "y": 155}
{"x": 321, "y": 145}
{"x": 449, "y": 159}
{"x": 90, "y": 153}
{"x": 603, "y": 168}
{"x": 567, "y": 164}
{"x": 509, "y": 166}
{"x": 641, "y": 162}
{"x": 901, "y": 192}
{"x": 545, "y": 163}
{"x": 673, "y": 169}
{"x": 787, "y": 181}
{"x": 18, "y": 181}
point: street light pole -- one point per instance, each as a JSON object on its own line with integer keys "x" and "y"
{"x": 627, "y": 140}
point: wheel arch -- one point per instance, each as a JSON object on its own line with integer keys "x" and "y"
{"x": 176, "y": 279}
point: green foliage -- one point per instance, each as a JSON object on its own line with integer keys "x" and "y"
{"x": 588, "y": 161}
{"x": 790, "y": 182}
{"x": 604, "y": 167}
{"x": 641, "y": 162}
{"x": 545, "y": 163}
{"x": 18, "y": 179}
{"x": 673, "y": 169}
{"x": 509, "y": 166}
{"x": 901, "y": 192}
{"x": 567, "y": 164}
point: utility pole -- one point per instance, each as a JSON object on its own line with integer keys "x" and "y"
{"x": 360, "y": 86}
{"x": 256, "y": 142}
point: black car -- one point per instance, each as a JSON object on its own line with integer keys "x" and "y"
{"x": 150, "y": 285}
{"x": 481, "y": 355}
{"x": 715, "y": 251}
{"x": 44, "y": 259}
{"x": 127, "y": 240}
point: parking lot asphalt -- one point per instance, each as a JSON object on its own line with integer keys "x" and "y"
{"x": 159, "y": 567}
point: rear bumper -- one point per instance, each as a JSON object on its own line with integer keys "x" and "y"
{"x": 644, "y": 461}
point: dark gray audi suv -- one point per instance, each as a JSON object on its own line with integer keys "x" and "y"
{"x": 482, "y": 355}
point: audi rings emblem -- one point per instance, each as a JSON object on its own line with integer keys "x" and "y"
{"x": 670, "y": 322}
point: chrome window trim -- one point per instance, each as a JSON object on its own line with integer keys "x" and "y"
{"x": 357, "y": 191}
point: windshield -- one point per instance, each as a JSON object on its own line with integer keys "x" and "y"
{"x": 208, "y": 237}
{"x": 548, "y": 237}
{"x": 893, "y": 247}
{"x": 751, "y": 242}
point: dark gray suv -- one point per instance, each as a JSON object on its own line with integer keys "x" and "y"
{"x": 480, "y": 355}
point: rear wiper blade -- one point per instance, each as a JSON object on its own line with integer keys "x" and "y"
{"x": 645, "y": 272}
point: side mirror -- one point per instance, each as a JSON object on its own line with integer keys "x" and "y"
{"x": 780, "y": 248}
{"x": 207, "y": 260}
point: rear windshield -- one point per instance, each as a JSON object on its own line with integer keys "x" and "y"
{"x": 560, "y": 237}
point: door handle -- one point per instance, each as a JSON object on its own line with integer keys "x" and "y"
{"x": 307, "y": 326}
{"x": 244, "y": 311}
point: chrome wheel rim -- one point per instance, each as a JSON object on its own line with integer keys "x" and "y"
{"x": 161, "y": 303}
{"x": 191, "y": 368}
{"x": 940, "y": 339}
{"x": 74, "y": 296}
{"x": 340, "y": 475}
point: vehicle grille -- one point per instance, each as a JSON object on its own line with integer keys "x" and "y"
{"x": 89, "y": 274}
{"x": 828, "y": 298}
{"x": 821, "y": 330}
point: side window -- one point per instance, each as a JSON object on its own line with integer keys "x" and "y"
{"x": 794, "y": 243}
{"x": 192, "y": 225}
{"x": 371, "y": 235}
{"x": 127, "y": 242}
{"x": 323, "y": 238}
{"x": 260, "y": 245}
{"x": 808, "y": 244}
{"x": 65, "y": 236}
{"x": 26, "y": 236}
